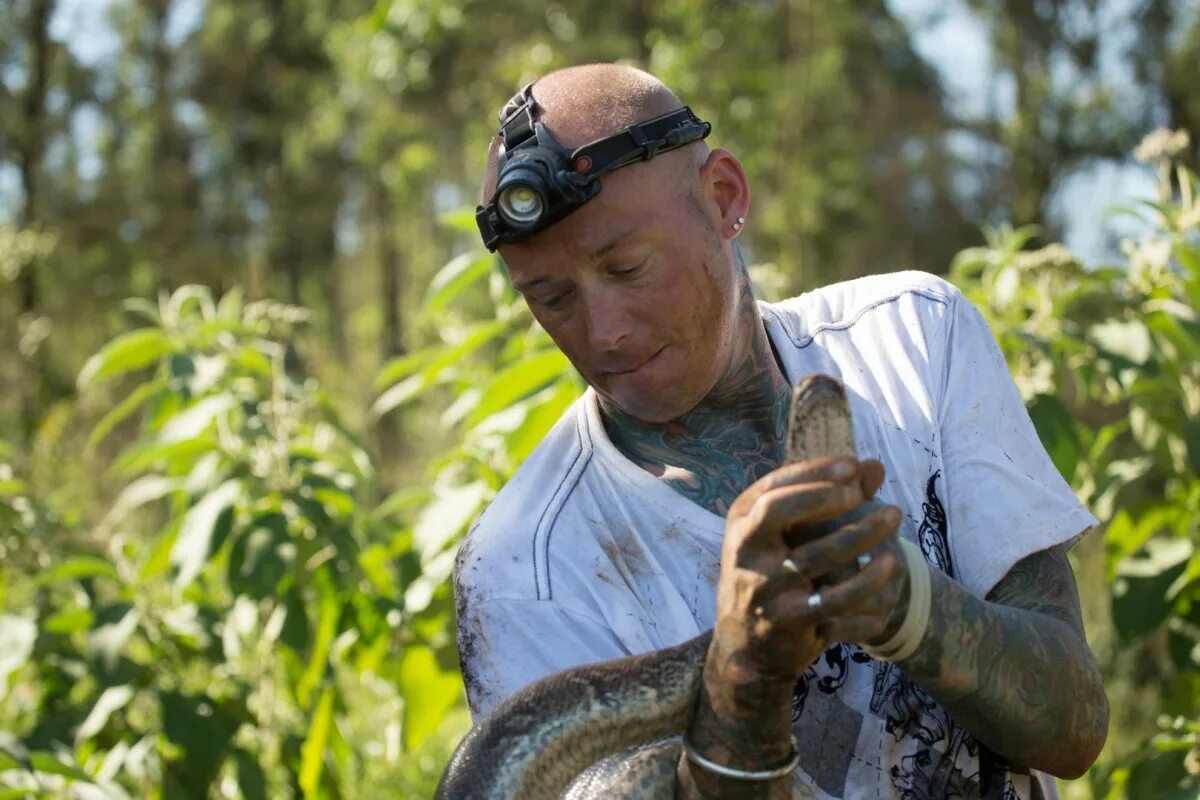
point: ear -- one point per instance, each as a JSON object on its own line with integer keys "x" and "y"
{"x": 726, "y": 190}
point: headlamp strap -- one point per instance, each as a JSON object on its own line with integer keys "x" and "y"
{"x": 640, "y": 142}
{"x": 517, "y": 119}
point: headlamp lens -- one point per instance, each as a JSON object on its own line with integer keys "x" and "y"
{"x": 520, "y": 204}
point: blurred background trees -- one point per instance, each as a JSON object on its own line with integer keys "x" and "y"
{"x": 228, "y": 505}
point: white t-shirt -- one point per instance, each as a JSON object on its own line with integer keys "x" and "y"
{"x": 584, "y": 556}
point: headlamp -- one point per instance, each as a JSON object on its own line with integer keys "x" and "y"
{"x": 540, "y": 181}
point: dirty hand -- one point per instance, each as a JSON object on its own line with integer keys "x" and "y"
{"x": 774, "y": 619}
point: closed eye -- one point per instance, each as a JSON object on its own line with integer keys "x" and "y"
{"x": 555, "y": 301}
{"x": 631, "y": 270}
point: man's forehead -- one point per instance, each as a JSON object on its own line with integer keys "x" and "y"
{"x": 580, "y": 244}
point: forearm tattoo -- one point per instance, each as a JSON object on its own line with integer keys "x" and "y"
{"x": 1015, "y": 670}
{"x": 747, "y": 727}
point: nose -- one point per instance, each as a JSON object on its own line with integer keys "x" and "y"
{"x": 608, "y": 321}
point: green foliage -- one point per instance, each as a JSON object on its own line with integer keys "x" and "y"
{"x": 236, "y": 604}
{"x": 187, "y": 523}
{"x": 1109, "y": 363}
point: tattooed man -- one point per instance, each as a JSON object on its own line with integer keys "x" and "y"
{"x": 655, "y": 508}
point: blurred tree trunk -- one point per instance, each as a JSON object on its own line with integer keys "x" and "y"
{"x": 390, "y": 273}
{"x": 639, "y": 30}
{"x": 391, "y": 280}
{"x": 29, "y": 157}
{"x": 1031, "y": 155}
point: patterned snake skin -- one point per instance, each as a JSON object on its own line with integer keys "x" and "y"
{"x": 612, "y": 729}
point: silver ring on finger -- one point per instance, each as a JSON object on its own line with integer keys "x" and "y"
{"x": 862, "y": 561}
{"x": 814, "y": 605}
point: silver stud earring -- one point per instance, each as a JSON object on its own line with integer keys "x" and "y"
{"x": 737, "y": 226}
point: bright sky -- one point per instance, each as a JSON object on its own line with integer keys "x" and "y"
{"x": 945, "y": 32}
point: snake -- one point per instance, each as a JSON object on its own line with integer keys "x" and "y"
{"x": 613, "y": 729}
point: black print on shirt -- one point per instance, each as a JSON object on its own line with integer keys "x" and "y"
{"x": 931, "y": 768}
{"x": 932, "y": 535}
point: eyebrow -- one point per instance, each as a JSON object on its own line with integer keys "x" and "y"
{"x": 612, "y": 244}
{"x": 525, "y": 285}
{"x": 597, "y": 254}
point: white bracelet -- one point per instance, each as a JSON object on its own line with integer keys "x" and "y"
{"x": 916, "y": 618}
{"x": 741, "y": 774}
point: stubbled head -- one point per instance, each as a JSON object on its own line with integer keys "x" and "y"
{"x": 585, "y": 103}
{"x": 639, "y": 287}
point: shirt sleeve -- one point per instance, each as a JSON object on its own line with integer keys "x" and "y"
{"x": 505, "y": 644}
{"x": 1005, "y": 499}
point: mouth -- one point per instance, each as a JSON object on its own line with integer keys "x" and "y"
{"x": 634, "y": 369}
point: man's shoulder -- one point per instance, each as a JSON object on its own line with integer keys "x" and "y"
{"x": 505, "y": 535}
{"x": 846, "y": 302}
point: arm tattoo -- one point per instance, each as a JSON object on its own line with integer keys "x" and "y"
{"x": 747, "y": 727}
{"x": 1015, "y": 669}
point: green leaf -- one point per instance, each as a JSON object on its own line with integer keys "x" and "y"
{"x": 312, "y": 753}
{"x": 401, "y": 367}
{"x": 1160, "y": 777}
{"x": 1125, "y": 535}
{"x": 1191, "y": 437}
{"x": 130, "y": 404}
{"x": 13, "y": 487}
{"x": 141, "y": 491}
{"x": 48, "y": 763}
{"x": 17, "y": 635}
{"x": 540, "y": 418}
{"x": 69, "y": 620}
{"x": 143, "y": 308}
{"x": 202, "y": 730}
{"x": 452, "y": 509}
{"x": 462, "y": 220}
{"x": 126, "y": 353}
{"x": 433, "y": 364}
{"x": 260, "y": 557}
{"x": 429, "y": 692}
{"x": 184, "y": 299}
{"x": 110, "y": 700}
{"x": 1056, "y": 429}
{"x": 76, "y": 567}
{"x": 518, "y": 381}
{"x": 296, "y": 629}
{"x": 375, "y": 562}
{"x": 180, "y": 456}
{"x": 1129, "y": 340}
{"x": 329, "y": 612}
{"x": 453, "y": 278}
{"x": 191, "y": 422}
{"x": 199, "y": 528}
{"x": 252, "y": 781}
{"x": 1139, "y": 599}
{"x": 114, "y": 624}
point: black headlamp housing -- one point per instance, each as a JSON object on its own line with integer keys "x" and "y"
{"x": 540, "y": 181}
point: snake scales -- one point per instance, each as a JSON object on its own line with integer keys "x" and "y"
{"x": 612, "y": 729}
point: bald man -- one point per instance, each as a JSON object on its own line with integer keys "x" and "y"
{"x": 656, "y": 506}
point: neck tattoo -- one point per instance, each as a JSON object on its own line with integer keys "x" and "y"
{"x": 734, "y": 437}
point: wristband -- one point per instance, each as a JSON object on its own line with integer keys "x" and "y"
{"x": 741, "y": 774}
{"x": 916, "y": 618}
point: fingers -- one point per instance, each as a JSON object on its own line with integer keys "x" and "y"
{"x": 823, "y": 556}
{"x": 867, "y": 593}
{"x": 814, "y": 500}
{"x": 829, "y": 469}
{"x": 870, "y": 475}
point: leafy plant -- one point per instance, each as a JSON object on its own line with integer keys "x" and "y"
{"x": 1109, "y": 364}
{"x": 244, "y": 592}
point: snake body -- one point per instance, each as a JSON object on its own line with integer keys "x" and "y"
{"x": 611, "y": 729}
